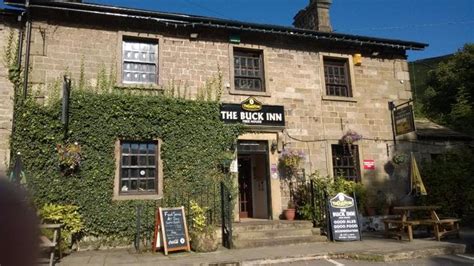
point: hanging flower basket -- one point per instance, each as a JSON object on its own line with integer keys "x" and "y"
{"x": 399, "y": 158}
{"x": 290, "y": 161}
{"x": 350, "y": 137}
{"x": 69, "y": 157}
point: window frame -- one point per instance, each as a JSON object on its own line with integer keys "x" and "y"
{"x": 356, "y": 161}
{"x": 153, "y": 63}
{"x": 263, "y": 62}
{"x": 149, "y": 38}
{"x": 336, "y": 63}
{"x": 350, "y": 77}
{"x": 136, "y": 195}
{"x": 255, "y": 55}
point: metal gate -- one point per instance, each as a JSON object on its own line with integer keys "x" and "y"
{"x": 226, "y": 205}
{"x": 319, "y": 205}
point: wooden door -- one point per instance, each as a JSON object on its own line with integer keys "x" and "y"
{"x": 245, "y": 187}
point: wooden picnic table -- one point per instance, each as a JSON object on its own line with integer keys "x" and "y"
{"x": 405, "y": 210}
{"x": 441, "y": 227}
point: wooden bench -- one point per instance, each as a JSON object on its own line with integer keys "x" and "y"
{"x": 51, "y": 244}
{"x": 400, "y": 225}
{"x": 445, "y": 226}
{"x": 442, "y": 227}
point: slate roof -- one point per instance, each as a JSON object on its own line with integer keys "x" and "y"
{"x": 210, "y": 22}
{"x": 430, "y": 130}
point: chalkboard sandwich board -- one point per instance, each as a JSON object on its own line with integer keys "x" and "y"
{"x": 344, "y": 218}
{"x": 171, "y": 225}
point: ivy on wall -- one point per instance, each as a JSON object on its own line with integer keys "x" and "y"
{"x": 194, "y": 142}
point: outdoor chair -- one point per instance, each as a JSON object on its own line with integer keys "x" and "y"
{"x": 52, "y": 243}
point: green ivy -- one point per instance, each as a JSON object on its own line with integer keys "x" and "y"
{"x": 194, "y": 142}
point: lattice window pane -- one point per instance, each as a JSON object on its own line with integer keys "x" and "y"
{"x": 248, "y": 70}
{"x": 138, "y": 167}
{"x": 139, "y": 62}
{"x": 336, "y": 78}
{"x": 345, "y": 161}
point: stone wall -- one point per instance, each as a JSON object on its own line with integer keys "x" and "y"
{"x": 6, "y": 98}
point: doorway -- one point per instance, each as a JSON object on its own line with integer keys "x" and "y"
{"x": 254, "y": 187}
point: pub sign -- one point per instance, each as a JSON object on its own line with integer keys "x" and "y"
{"x": 253, "y": 112}
{"x": 344, "y": 220}
{"x": 404, "y": 121}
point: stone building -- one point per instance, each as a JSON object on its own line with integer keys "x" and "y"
{"x": 317, "y": 85}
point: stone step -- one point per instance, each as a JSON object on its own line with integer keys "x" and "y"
{"x": 270, "y": 225}
{"x": 276, "y": 233}
{"x": 251, "y": 243}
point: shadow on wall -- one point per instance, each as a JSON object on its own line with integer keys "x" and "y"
{"x": 389, "y": 186}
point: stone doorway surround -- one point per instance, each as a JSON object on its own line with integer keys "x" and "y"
{"x": 274, "y": 183}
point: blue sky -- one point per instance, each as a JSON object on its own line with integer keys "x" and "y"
{"x": 446, "y": 25}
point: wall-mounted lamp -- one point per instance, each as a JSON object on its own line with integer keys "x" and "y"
{"x": 274, "y": 146}
{"x": 375, "y": 53}
{"x": 357, "y": 59}
{"x": 194, "y": 35}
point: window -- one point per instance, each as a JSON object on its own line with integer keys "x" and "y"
{"x": 336, "y": 75}
{"x": 345, "y": 161}
{"x": 139, "y": 167}
{"x": 139, "y": 64}
{"x": 248, "y": 70}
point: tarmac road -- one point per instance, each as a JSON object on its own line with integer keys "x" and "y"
{"x": 448, "y": 260}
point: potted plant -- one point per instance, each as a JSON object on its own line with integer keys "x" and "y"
{"x": 289, "y": 163}
{"x": 203, "y": 235}
{"x": 290, "y": 212}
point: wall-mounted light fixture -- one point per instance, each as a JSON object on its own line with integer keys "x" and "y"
{"x": 274, "y": 146}
{"x": 194, "y": 35}
{"x": 234, "y": 38}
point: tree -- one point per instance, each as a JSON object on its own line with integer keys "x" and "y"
{"x": 449, "y": 96}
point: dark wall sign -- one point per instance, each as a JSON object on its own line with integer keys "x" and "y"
{"x": 252, "y": 112}
{"x": 173, "y": 229}
{"x": 404, "y": 121}
{"x": 344, "y": 218}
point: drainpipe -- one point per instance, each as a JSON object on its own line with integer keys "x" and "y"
{"x": 20, "y": 39}
{"x": 16, "y": 91}
{"x": 28, "y": 47}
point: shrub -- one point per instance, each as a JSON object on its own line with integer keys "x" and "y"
{"x": 68, "y": 216}
{"x": 326, "y": 186}
{"x": 203, "y": 234}
{"x": 450, "y": 184}
{"x": 198, "y": 215}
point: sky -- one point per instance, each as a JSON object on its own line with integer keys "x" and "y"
{"x": 446, "y": 25}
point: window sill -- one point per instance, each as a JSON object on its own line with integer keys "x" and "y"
{"x": 339, "y": 99}
{"x": 140, "y": 87}
{"x": 137, "y": 197}
{"x": 250, "y": 93}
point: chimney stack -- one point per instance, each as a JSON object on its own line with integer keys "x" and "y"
{"x": 315, "y": 16}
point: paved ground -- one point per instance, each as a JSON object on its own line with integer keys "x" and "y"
{"x": 448, "y": 260}
{"x": 372, "y": 248}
